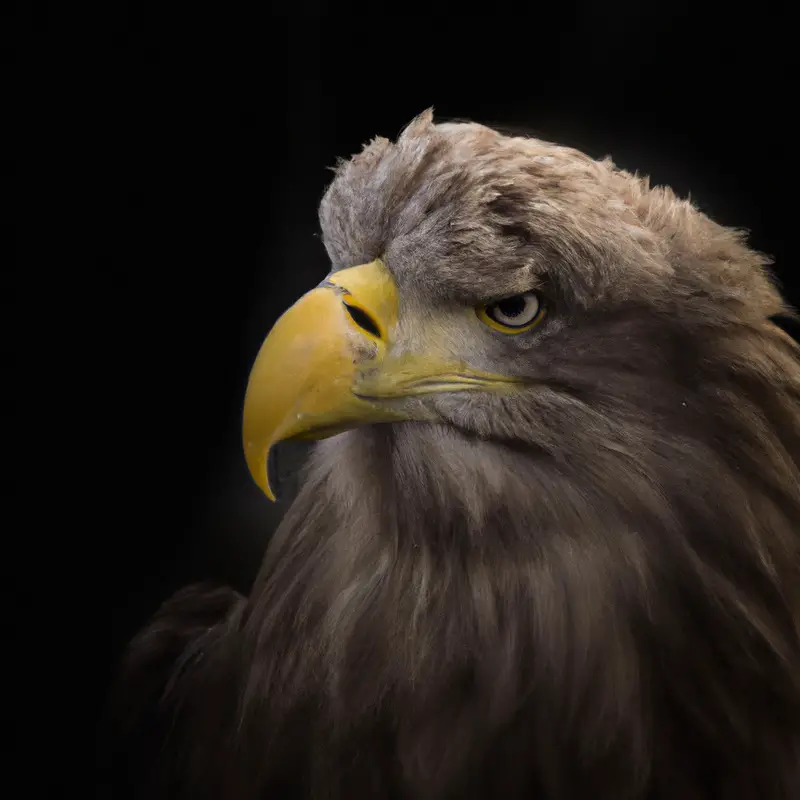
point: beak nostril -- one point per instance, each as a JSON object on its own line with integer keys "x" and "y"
{"x": 363, "y": 320}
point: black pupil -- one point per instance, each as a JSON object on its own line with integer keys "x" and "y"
{"x": 512, "y": 307}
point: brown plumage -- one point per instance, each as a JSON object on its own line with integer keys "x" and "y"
{"x": 588, "y": 587}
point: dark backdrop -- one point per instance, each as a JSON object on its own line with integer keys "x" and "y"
{"x": 225, "y": 121}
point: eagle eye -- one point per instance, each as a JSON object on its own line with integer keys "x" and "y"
{"x": 515, "y": 314}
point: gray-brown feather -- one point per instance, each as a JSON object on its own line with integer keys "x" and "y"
{"x": 590, "y": 588}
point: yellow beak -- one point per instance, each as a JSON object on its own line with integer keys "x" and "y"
{"x": 326, "y": 367}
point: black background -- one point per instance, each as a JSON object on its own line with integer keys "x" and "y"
{"x": 208, "y": 132}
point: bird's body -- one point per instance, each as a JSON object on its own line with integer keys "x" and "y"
{"x": 578, "y": 579}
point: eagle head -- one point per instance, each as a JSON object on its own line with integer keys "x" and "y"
{"x": 557, "y": 483}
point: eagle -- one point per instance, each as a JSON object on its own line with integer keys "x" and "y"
{"x": 547, "y": 541}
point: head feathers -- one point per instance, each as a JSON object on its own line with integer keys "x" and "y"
{"x": 479, "y": 205}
